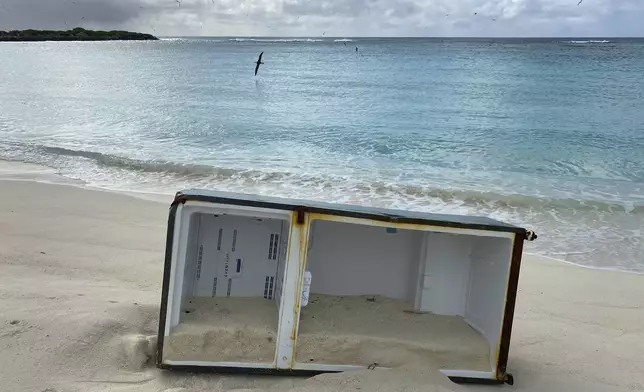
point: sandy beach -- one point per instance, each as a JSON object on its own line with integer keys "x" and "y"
{"x": 80, "y": 286}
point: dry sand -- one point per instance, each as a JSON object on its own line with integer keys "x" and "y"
{"x": 214, "y": 329}
{"x": 80, "y": 279}
{"x": 361, "y": 330}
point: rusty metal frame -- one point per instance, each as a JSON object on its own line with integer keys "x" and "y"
{"x": 301, "y": 215}
{"x": 510, "y": 304}
{"x": 370, "y": 213}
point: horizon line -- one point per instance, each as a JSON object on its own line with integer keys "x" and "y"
{"x": 396, "y": 37}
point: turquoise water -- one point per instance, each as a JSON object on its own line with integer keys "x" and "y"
{"x": 543, "y": 133}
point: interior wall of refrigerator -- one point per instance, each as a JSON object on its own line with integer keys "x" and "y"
{"x": 239, "y": 256}
{"x": 224, "y": 254}
{"x": 467, "y": 275}
{"x": 349, "y": 259}
{"x": 194, "y": 256}
{"x": 460, "y": 273}
{"x": 489, "y": 280}
{"x": 281, "y": 266}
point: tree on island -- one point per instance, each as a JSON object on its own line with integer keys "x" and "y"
{"x": 77, "y": 34}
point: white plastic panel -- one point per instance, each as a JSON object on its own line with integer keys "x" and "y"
{"x": 187, "y": 250}
{"x": 279, "y": 277}
{"x": 193, "y": 256}
{"x": 444, "y": 274}
{"x": 178, "y": 267}
{"x": 288, "y": 309}
{"x": 350, "y": 259}
{"x": 239, "y": 256}
{"x": 488, "y": 287}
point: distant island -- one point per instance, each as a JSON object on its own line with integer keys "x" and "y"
{"x": 77, "y": 34}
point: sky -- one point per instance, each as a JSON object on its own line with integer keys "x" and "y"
{"x": 334, "y": 18}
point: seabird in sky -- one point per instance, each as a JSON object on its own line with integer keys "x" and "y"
{"x": 580, "y": 1}
{"x": 259, "y": 61}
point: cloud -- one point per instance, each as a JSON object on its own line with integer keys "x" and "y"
{"x": 334, "y": 17}
{"x": 60, "y": 14}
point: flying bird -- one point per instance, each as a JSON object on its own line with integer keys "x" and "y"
{"x": 259, "y": 61}
{"x": 580, "y": 1}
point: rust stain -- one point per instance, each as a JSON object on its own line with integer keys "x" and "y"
{"x": 179, "y": 198}
{"x": 303, "y": 221}
{"x": 401, "y": 226}
{"x": 511, "y": 289}
{"x": 301, "y": 216}
{"x": 370, "y": 222}
{"x": 498, "y": 372}
{"x": 295, "y": 222}
{"x": 292, "y": 223}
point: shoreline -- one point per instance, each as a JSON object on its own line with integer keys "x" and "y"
{"x": 22, "y": 171}
{"x": 588, "y": 267}
{"x": 80, "y": 300}
{"x": 31, "y": 172}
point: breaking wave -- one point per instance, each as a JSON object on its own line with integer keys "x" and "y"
{"x": 276, "y": 40}
{"x": 492, "y": 200}
{"x": 603, "y": 41}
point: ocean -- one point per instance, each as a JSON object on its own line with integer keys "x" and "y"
{"x": 543, "y": 133}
